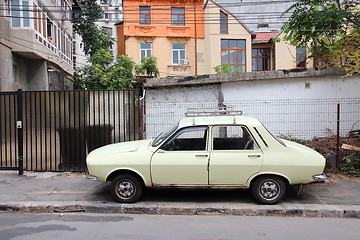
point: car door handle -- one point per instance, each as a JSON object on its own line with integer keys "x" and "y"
{"x": 254, "y": 155}
{"x": 201, "y": 155}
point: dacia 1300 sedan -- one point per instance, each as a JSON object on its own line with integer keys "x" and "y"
{"x": 206, "y": 151}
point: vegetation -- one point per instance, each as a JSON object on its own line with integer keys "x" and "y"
{"x": 329, "y": 30}
{"x": 93, "y": 37}
{"x": 221, "y": 69}
{"x": 147, "y": 66}
{"x": 103, "y": 73}
{"x": 351, "y": 164}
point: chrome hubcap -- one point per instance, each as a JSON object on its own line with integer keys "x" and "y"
{"x": 269, "y": 189}
{"x": 126, "y": 189}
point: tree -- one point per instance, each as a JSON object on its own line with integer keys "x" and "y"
{"x": 321, "y": 26}
{"x": 93, "y": 37}
{"x": 103, "y": 73}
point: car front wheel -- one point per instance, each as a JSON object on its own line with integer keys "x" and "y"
{"x": 268, "y": 189}
{"x": 126, "y": 188}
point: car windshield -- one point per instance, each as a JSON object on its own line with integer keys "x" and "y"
{"x": 162, "y": 136}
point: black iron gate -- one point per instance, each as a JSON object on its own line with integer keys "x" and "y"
{"x": 59, "y": 128}
{"x": 11, "y": 148}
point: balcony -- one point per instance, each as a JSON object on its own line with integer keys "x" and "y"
{"x": 178, "y": 31}
{"x": 179, "y": 70}
{"x": 144, "y": 30}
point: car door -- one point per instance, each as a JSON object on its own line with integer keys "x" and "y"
{"x": 235, "y": 156}
{"x": 183, "y": 159}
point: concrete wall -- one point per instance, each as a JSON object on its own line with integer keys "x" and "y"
{"x": 299, "y": 104}
{"x": 6, "y": 73}
{"x": 295, "y": 88}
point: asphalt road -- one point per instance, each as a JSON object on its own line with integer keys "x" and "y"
{"x": 150, "y": 227}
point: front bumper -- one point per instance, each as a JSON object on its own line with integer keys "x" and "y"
{"x": 320, "y": 178}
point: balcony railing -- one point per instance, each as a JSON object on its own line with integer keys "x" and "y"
{"x": 178, "y": 31}
{"x": 179, "y": 70}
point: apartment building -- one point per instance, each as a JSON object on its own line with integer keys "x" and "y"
{"x": 170, "y": 30}
{"x": 35, "y": 45}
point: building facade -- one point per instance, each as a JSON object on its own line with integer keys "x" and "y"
{"x": 195, "y": 37}
{"x": 35, "y": 45}
{"x": 170, "y": 30}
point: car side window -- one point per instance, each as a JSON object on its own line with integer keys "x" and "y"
{"x": 232, "y": 138}
{"x": 187, "y": 139}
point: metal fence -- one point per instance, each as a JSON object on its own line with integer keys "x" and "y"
{"x": 301, "y": 118}
{"x": 323, "y": 124}
{"x": 59, "y": 128}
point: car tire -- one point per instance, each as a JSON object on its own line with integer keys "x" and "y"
{"x": 126, "y": 188}
{"x": 268, "y": 189}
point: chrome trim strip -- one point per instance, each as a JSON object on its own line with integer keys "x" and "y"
{"x": 199, "y": 185}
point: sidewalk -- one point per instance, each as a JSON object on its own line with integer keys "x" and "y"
{"x": 72, "y": 192}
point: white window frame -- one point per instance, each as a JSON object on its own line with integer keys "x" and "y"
{"x": 24, "y": 11}
{"x": 179, "y": 60}
{"x": 145, "y": 50}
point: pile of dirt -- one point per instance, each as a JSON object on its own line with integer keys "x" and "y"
{"x": 334, "y": 154}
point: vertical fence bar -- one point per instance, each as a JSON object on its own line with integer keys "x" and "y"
{"x": 338, "y": 136}
{"x": 20, "y": 132}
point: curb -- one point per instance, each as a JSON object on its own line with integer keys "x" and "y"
{"x": 289, "y": 210}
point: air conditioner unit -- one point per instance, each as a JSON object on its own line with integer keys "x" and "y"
{"x": 183, "y": 61}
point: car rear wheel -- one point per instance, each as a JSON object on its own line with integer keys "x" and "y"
{"x": 268, "y": 189}
{"x": 126, "y": 188}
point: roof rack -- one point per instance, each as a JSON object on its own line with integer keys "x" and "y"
{"x": 220, "y": 111}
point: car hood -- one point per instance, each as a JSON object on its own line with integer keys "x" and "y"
{"x": 123, "y": 147}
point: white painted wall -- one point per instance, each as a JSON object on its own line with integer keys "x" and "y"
{"x": 295, "y": 88}
{"x": 301, "y": 107}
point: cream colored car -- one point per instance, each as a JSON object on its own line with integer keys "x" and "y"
{"x": 207, "y": 152}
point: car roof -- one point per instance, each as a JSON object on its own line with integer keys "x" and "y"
{"x": 219, "y": 120}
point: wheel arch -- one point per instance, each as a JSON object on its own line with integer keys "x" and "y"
{"x": 118, "y": 172}
{"x": 253, "y": 178}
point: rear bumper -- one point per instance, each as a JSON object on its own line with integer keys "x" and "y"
{"x": 320, "y": 178}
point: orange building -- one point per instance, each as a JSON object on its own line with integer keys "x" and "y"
{"x": 170, "y": 30}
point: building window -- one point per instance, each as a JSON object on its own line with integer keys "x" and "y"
{"x": 233, "y": 53}
{"x": 300, "y": 57}
{"x": 223, "y": 23}
{"x": 261, "y": 59}
{"x": 145, "y": 15}
{"x": 20, "y": 11}
{"x": 179, "y": 53}
{"x": 107, "y": 16}
{"x": 177, "y": 16}
{"x": 145, "y": 50}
